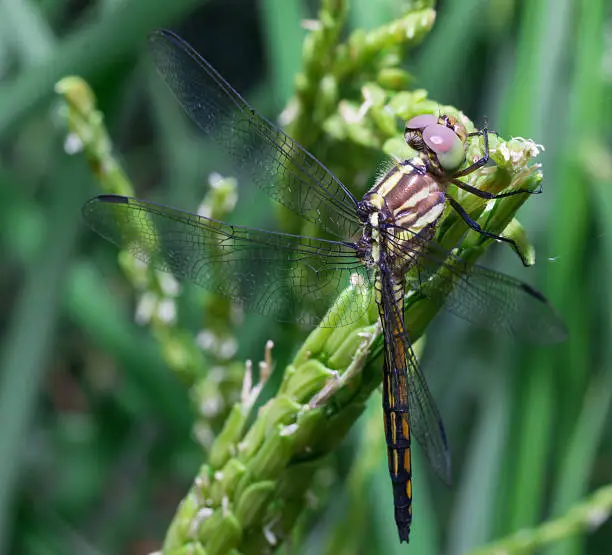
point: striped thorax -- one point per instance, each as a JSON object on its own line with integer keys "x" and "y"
{"x": 401, "y": 211}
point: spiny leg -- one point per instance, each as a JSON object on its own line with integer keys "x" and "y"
{"x": 489, "y": 196}
{"x": 484, "y": 132}
{"x": 473, "y": 224}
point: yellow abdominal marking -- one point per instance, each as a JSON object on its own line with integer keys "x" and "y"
{"x": 405, "y": 427}
{"x": 407, "y": 464}
{"x": 393, "y": 428}
{"x": 395, "y": 463}
{"x": 409, "y": 488}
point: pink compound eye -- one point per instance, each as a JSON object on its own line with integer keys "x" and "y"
{"x": 422, "y": 121}
{"x": 445, "y": 143}
{"x": 439, "y": 137}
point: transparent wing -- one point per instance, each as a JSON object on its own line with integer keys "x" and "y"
{"x": 496, "y": 301}
{"x": 287, "y": 276}
{"x": 281, "y": 167}
{"x": 406, "y": 388}
{"x": 484, "y": 297}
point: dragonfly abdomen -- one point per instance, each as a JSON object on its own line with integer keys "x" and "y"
{"x": 395, "y": 401}
{"x": 397, "y": 433}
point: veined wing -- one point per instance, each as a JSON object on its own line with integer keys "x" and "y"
{"x": 408, "y": 407}
{"x": 287, "y": 276}
{"x": 277, "y": 164}
{"x": 496, "y": 301}
{"x": 485, "y": 297}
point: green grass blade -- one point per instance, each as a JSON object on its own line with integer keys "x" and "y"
{"x": 27, "y": 346}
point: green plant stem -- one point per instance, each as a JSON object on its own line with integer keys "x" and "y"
{"x": 582, "y": 517}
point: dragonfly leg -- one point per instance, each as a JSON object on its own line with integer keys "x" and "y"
{"x": 473, "y": 224}
{"x": 486, "y": 195}
{"x": 484, "y": 132}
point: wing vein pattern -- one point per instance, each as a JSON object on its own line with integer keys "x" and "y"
{"x": 287, "y": 276}
{"x": 277, "y": 164}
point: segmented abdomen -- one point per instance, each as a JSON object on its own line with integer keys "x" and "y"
{"x": 395, "y": 404}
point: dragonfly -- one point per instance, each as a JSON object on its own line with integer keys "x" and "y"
{"x": 383, "y": 245}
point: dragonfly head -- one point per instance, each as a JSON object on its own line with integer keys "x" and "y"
{"x": 440, "y": 139}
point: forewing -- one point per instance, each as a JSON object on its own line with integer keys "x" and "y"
{"x": 290, "y": 277}
{"x": 281, "y": 167}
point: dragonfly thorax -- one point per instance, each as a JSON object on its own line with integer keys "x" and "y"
{"x": 398, "y": 213}
{"x": 406, "y": 196}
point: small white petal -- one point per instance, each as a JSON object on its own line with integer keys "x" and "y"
{"x": 73, "y": 144}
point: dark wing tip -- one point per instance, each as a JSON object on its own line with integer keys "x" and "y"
{"x": 91, "y": 204}
{"x": 534, "y": 292}
{"x": 117, "y": 199}
{"x": 557, "y": 331}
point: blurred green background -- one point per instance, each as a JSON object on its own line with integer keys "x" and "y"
{"x": 96, "y": 434}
